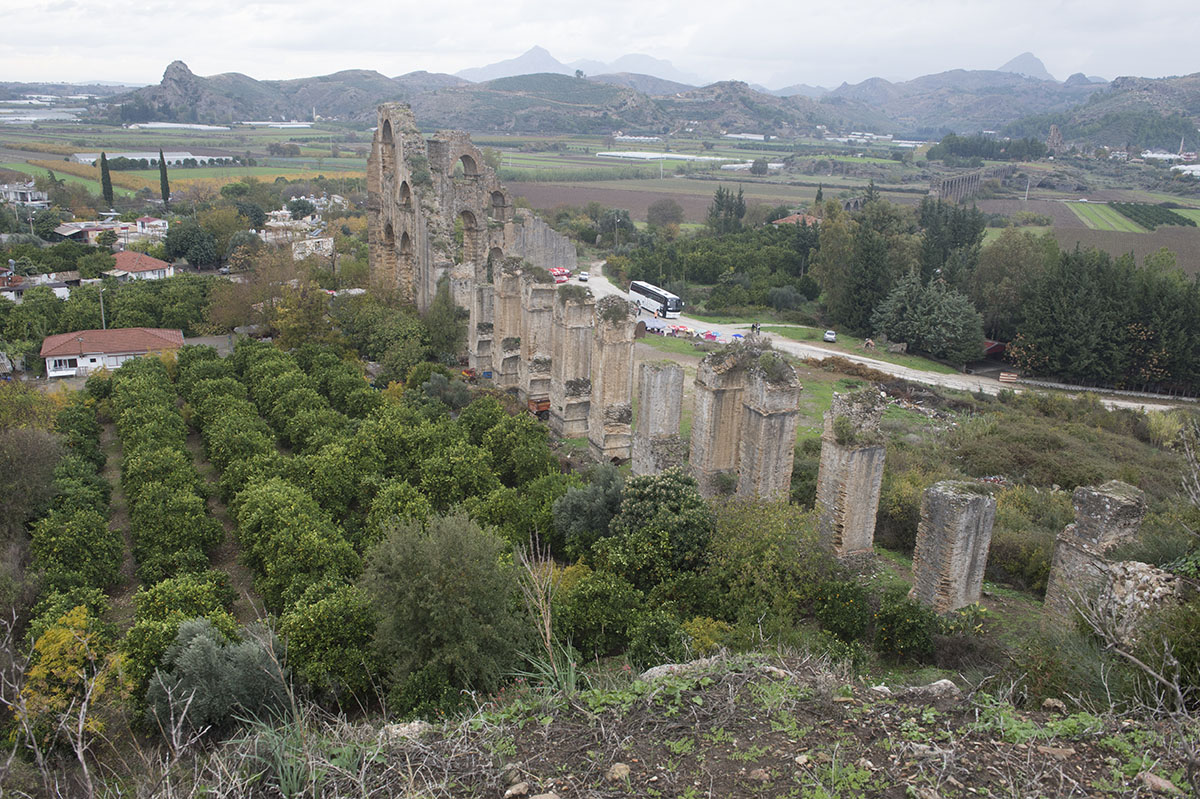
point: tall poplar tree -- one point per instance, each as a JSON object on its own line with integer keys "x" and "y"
{"x": 163, "y": 185}
{"x": 105, "y": 181}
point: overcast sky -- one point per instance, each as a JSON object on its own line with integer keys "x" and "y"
{"x": 775, "y": 44}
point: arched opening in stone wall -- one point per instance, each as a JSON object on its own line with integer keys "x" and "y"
{"x": 495, "y": 256}
{"x": 465, "y": 167}
{"x": 471, "y": 237}
{"x": 389, "y": 252}
{"x": 387, "y": 148}
{"x": 405, "y": 194}
{"x": 498, "y": 206}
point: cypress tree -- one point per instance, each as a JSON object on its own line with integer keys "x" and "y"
{"x": 105, "y": 181}
{"x": 163, "y": 185}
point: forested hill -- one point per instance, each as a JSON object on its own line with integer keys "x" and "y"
{"x": 1136, "y": 111}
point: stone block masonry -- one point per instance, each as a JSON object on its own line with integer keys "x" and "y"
{"x": 657, "y": 445}
{"x": 1105, "y": 517}
{"x": 952, "y": 545}
{"x": 571, "y": 364}
{"x": 610, "y": 417}
{"x": 850, "y": 475}
{"x": 537, "y": 330}
{"x": 506, "y": 337}
{"x": 717, "y": 420}
{"x": 769, "y": 419}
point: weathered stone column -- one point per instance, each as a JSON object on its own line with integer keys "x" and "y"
{"x": 481, "y": 329}
{"x": 850, "y": 474}
{"x": 657, "y": 445}
{"x": 611, "y": 413}
{"x": 769, "y": 421}
{"x": 571, "y": 369}
{"x": 952, "y": 545}
{"x": 537, "y": 316}
{"x": 717, "y": 421}
{"x": 507, "y": 326}
{"x": 1104, "y": 518}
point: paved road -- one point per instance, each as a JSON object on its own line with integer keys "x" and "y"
{"x": 601, "y": 287}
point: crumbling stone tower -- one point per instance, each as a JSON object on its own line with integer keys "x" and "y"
{"x": 744, "y": 423}
{"x": 537, "y": 330}
{"x": 767, "y": 446}
{"x": 1105, "y": 517}
{"x": 611, "y": 413}
{"x": 571, "y": 365}
{"x": 851, "y": 474}
{"x": 657, "y": 445}
{"x": 435, "y": 212}
{"x": 506, "y": 357}
{"x": 952, "y": 545}
{"x": 717, "y": 420}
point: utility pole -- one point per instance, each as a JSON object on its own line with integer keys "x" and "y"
{"x": 103, "y": 323}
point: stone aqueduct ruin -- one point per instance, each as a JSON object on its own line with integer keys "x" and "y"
{"x": 438, "y": 212}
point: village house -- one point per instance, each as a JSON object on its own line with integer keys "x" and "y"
{"x": 139, "y": 266}
{"x": 85, "y": 351}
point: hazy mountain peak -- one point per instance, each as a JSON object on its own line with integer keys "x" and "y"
{"x": 1029, "y": 65}
{"x": 535, "y": 60}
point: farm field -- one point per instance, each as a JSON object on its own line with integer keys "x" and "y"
{"x": 1101, "y": 217}
{"x": 1184, "y": 242}
{"x": 37, "y": 171}
{"x": 1190, "y": 213}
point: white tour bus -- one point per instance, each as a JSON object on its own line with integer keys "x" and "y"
{"x": 657, "y": 301}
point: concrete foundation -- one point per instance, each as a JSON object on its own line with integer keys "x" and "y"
{"x": 571, "y": 367}
{"x": 1104, "y": 518}
{"x": 537, "y": 326}
{"x": 610, "y": 418}
{"x": 952, "y": 545}
{"x": 851, "y": 474}
{"x": 768, "y": 430}
{"x": 657, "y": 445}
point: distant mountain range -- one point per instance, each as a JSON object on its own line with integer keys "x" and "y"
{"x": 538, "y": 59}
{"x": 1021, "y": 97}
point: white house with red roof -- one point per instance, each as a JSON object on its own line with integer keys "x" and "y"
{"x": 139, "y": 266}
{"x": 152, "y": 226}
{"x": 84, "y": 351}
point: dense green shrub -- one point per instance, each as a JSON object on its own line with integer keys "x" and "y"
{"x": 290, "y": 542}
{"x": 597, "y": 613}
{"x": 524, "y": 516}
{"x": 54, "y": 604}
{"x": 1175, "y": 630}
{"x": 446, "y": 603}
{"x": 843, "y": 608}
{"x": 766, "y": 559}
{"x": 209, "y": 679}
{"x": 655, "y": 638}
{"x": 583, "y": 515}
{"x": 663, "y": 527}
{"x": 76, "y": 549}
{"x": 330, "y": 636}
{"x": 904, "y": 628}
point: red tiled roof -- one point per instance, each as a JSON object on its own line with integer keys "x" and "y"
{"x": 149, "y": 219}
{"x": 130, "y": 261}
{"x": 122, "y": 339}
{"x": 796, "y": 219}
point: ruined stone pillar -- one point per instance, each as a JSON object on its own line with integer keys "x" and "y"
{"x": 571, "y": 369}
{"x": 769, "y": 420}
{"x": 481, "y": 328}
{"x": 611, "y": 412}
{"x": 506, "y": 335}
{"x": 952, "y": 545}
{"x": 537, "y": 317}
{"x": 851, "y": 474}
{"x": 657, "y": 445}
{"x": 1104, "y": 518}
{"x": 717, "y": 422}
